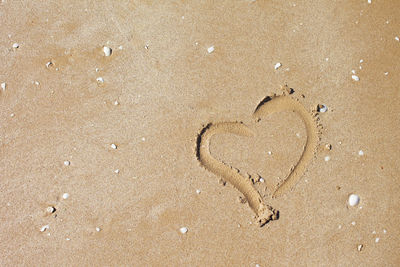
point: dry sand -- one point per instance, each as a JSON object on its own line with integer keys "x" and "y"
{"x": 166, "y": 150}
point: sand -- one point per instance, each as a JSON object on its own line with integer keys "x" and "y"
{"x": 193, "y": 133}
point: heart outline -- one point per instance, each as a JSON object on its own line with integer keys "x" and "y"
{"x": 268, "y": 106}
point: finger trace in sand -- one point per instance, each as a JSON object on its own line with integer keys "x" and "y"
{"x": 268, "y": 106}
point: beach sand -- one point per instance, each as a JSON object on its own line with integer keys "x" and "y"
{"x": 137, "y": 133}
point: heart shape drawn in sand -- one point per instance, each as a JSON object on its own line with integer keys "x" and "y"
{"x": 268, "y": 106}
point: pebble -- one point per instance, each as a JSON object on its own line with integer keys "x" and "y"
{"x": 354, "y": 200}
{"x": 183, "y": 230}
{"x": 361, "y": 153}
{"x": 269, "y": 153}
{"x": 107, "y": 51}
{"x": 68, "y": 239}
{"x": 210, "y": 49}
{"x": 67, "y": 163}
{"x": 277, "y": 65}
{"x": 65, "y": 196}
{"x": 48, "y": 64}
{"x": 113, "y": 146}
{"x": 3, "y": 86}
{"x": 355, "y": 77}
{"x": 100, "y": 80}
{"x": 44, "y": 228}
{"x": 261, "y": 180}
{"x": 15, "y": 45}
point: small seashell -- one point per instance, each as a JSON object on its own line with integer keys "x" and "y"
{"x": 210, "y": 49}
{"x": 322, "y": 108}
{"x": 354, "y": 200}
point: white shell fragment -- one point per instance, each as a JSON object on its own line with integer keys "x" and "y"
{"x": 198, "y": 191}
{"x": 183, "y": 230}
{"x": 15, "y": 45}
{"x": 354, "y": 200}
{"x": 98, "y": 229}
{"x": 116, "y": 171}
{"x": 322, "y": 108}
{"x": 50, "y": 209}
{"x": 397, "y": 38}
{"x": 100, "y": 80}
{"x": 361, "y": 153}
{"x": 360, "y": 247}
{"x": 210, "y": 49}
{"x": 277, "y": 65}
{"x": 327, "y": 158}
{"x": 107, "y": 51}
{"x": 355, "y": 78}
{"x": 113, "y": 146}
{"x": 67, "y": 163}
{"x": 3, "y": 86}
{"x": 65, "y": 196}
{"x": 44, "y": 228}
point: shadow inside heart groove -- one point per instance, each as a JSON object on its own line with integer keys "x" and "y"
{"x": 243, "y": 143}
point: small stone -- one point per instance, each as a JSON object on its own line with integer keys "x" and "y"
{"x": 49, "y": 64}
{"x": 322, "y": 108}
{"x": 277, "y": 65}
{"x": 361, "y": 153}
{"x": 354, "y": 200}
{"x": 65, "y": 196}
{"x": 360, "y": 247}
{"x": 44, "y": 228}
{"x": 3, "y": 86}
{"x": 183, "y": 230}
{"x": 386, "y": 73}
{"x": 198, "y": 191}
{"x": 15, "y": 45}
{"x": 269, "y": 153}
{"x": 98, "y": 229}
{"x": 116, "y": 171}
{"x": 113, "y": 146}
{"x": 210, "y": 49}
{"x": 12, "y": 115}
{"x": 37, "y": 83}
{"x": 107, "y": 51}
{"x": 67, "y": 163}
{"x": 261, "y": 180}
{"x": 355, "y": 78}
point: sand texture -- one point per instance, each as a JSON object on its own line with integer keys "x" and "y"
{"x": 200, "y": 133}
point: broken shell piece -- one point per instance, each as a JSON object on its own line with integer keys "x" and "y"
{"x": 100, "y": 80}
{"x": 49, "y": 64}
{"x": 354, "y": 200}
{"x": 277, "y": 65}
{"x": 355, "y": 78}
{"x": 15, "y": 45}
{"x": 210, "y": 49}
{"x": 44, "y": 228}
{"x": 3, "y": 86}
{"x": 65, "y": 196}
{"x": 107, "y": 51}
{"x": 183, "y": 230}
{"x": 322, "y": 108}
{"x": 360, "y": 247}
{"x": 50, "y": 209}
{"x": 328, "y": 146}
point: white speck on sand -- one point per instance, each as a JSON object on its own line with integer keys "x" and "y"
{"x": 198, "y": 191}
{"x": 373, "y": 232}
{"x": 67, "y": 163}
{"x": 183, "y": 230}
{"x": 116, "y": 103}
{"x": 377, "y": 240}
{"x": 210, "y": 49}
{"x": 269, "y": 153}
{"x": 44, "y": 228}
{"x": 12, "y": 115}
{"x": 37, "y": 83}
{"x": 397, "y": 38}
{"x": 68, "y": 239}
{"x": 65, "y": 196}
{"x": 327, "y": 158}
{"x": 48, "y": 64}
{"x": 322, "y": 108}
{"x": 361, "y": 60}
{"x": 384, "y": 231}
{"x": 327, "y": 59}
{"x": 143, "y": 139}
{"x": 3, "y": 86}
{"x": 15, "y": 45}
{"x": 355, "y": 78}
{"x": 113, "y": 146}
{"x": 360, "y": 247}
{"x": 116, "y": 171}
{"x": 100, "y": 79}
{"x": 97, "y": 69}
{"x": 386, "y": 73}
{"x": 354, "y": 200}
{"x": 353, "y": 71}
{"x": 107, "y": 51}
{"x": 353, "y": 223}
{"x": 369, "y": 1}
{"x": 339, "y": 227}
{"x": 277, "y": 65}
{"x": 98, "y": 229}
{"x": 361, "y": 153}
{"x": 120, "y": 47}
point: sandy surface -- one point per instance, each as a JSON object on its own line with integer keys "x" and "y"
{"x": 57, "y": 125}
